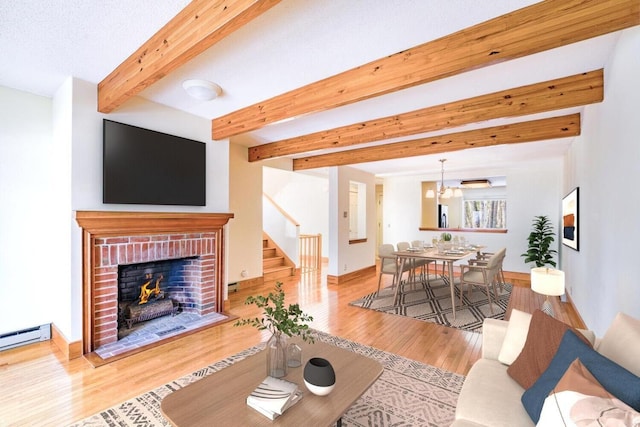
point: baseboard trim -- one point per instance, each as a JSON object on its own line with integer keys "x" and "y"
{"x": 364, "y": 273}
{"x": 250, "y": 283}
{"x": 71, "y": 350}
{"x": 517, "y": 278}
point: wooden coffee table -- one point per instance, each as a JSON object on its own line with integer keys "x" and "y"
{"x": 220, "y": 398}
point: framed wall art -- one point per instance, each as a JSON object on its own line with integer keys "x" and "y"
{"x": 570, "y": 220}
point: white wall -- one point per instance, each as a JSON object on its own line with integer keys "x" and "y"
{"x": 51, "y": 166}
{"x": 87, "y": 149}
{"x": 402, "y": 207}
{"x": 245, "y": 229}
{"x": 66, "y": 292}
{"x": 602, "y": 276}
{"x": 28, "y": 183}
{"x": 343, "y": 257}
{"x": 304, "y": 197}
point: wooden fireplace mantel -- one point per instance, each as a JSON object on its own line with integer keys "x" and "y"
{"x": 108, "y": 223}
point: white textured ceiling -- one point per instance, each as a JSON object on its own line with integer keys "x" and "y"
{"x": 295, "y": 43}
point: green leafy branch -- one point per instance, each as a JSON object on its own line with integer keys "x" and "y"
{"x": 278, "y": 318}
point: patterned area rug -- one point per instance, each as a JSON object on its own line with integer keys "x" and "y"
{"x": 432, "y": 303}
{"x": 408, "y": 393}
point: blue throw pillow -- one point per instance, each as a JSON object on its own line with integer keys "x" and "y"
{"x": 614, "y": 378}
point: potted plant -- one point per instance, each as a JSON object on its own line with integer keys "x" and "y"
{"x": 540, "y": 240}
{"x": 282, "y": 322}
{"x": 445, "y": 242}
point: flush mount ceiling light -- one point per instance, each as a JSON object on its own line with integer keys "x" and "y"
{"x": 202, "y": 90}
{"x": 476, "y": 183}
{"x": 444, "y": 192}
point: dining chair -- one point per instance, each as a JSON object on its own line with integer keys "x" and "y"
{"x": 413, "y": 263}
{"x": 389, "y": 264}
{"x": 422, "y": 264}
{"x": 403, "y": 246}
{"x": 481, "y": 274}
{"x": 483, "y": 257}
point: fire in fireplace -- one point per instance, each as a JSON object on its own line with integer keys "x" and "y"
{"x": 144, "y": 294}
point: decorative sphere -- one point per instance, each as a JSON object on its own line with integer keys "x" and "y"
{"x": 319, "y": 376}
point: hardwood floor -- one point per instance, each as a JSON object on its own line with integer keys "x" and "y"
{"x": 41, "y": 388}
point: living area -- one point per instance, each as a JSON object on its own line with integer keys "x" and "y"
{"x": 51, "y": 154}
{"x": 452, "y": 352}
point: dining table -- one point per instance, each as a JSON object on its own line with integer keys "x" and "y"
{"x": 448, "y": 256}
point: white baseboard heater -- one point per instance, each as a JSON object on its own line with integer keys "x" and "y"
{"x": 25, "y": 336}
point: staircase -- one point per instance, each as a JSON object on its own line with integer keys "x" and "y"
{"x": 275, "y": 265}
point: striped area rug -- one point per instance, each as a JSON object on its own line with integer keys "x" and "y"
{"x": 408, "y": 393}
{"x": 432, "y": 303}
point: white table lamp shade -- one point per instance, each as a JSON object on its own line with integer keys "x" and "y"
{"x": 547, "y": 281}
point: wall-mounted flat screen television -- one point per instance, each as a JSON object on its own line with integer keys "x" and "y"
{"x": 142, "y": 166}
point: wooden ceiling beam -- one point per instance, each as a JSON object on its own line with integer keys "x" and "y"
{"x": 566, "y": 92}
{"x": 536, "y": 28}
{"x": 536, "y": 130}
{"x": 197, "y": 27}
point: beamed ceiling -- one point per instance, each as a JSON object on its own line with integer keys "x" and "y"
{"x": 327, "y": 83}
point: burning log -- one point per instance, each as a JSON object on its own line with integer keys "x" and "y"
{"x": 156, "y": 308}
{"x": 150, "y": 304}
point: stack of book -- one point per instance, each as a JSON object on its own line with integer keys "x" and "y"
{"x": 274, "y": 396}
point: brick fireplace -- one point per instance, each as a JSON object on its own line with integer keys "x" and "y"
{"x": 111, "y": 239}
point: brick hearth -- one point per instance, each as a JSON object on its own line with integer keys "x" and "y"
{"x": 113, "y": 238}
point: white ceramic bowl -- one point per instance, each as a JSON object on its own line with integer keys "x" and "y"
{"x": 318, "y": 390}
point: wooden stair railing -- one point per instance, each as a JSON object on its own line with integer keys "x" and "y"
{"x": 310, "y": 252}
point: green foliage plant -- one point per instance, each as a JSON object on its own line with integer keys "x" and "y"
{"x": 540, "y": 240}
{"x": 446, "y": 237}
{"x": 277, "y": 318}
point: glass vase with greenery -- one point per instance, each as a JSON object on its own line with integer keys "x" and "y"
{"x": 540, "y": 240}
{"x": 282, "y": 321}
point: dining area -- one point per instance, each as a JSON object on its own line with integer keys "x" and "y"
{"x": 427, "y": 266}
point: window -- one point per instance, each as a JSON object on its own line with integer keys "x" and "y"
{"x": 485, "y": 213}
{"x": 357, "y": 210}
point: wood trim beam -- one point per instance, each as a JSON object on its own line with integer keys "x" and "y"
{"x": 566, "y": 92}
{"x": 536, "y": 130}
{"x": 536, "y": 28}
{"x": 197, "y": 27}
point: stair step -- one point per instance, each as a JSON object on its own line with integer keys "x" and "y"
{"x": 268, "y": 252}
{"x": 275, "y": 261}
{"x": 275, "y": 266}
{"x": 275, "y": 273}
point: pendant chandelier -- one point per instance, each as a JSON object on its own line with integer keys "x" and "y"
{"x": 444, "y": 192}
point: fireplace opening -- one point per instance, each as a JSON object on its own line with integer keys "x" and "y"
{"x": 151, "y": 290}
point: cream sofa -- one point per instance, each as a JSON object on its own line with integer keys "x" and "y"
{"x": 490, "y": 397}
